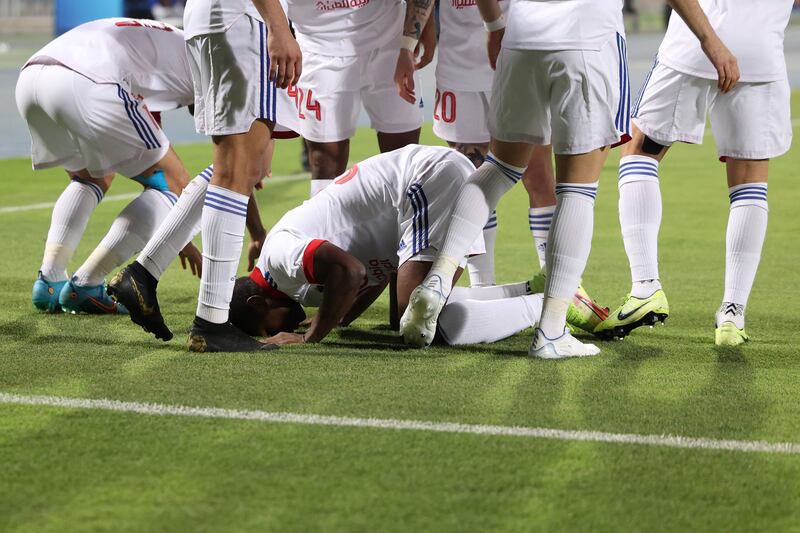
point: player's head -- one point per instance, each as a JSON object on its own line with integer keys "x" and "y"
{"x": 260, "y": 315}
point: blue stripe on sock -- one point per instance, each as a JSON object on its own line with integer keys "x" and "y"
{"x": 220, "y": 207}
{"x": 231, "y": 202}
{"x": 511, "y": 174}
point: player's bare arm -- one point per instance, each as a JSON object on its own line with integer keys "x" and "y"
{"x": 495, "y": 25}
{"x": 719, "y": 55}
{"x": 366, "y": 297}
{"x": 417, "y": 14}
{"x": 342, "y": 275}
{"x": 286, "y": 60}
{"x": 256, "y": 230}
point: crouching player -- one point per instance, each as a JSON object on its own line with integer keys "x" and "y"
{"x": 87, "y": 98}
{"x": 336, "y": 252}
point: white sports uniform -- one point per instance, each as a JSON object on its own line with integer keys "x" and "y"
{"x": 386, "y": 210}
{"x": 562, "y": 76}
{"x": 88, "y": 94}
{"x": 350, "y": 50}
{"x": 753, "y": 121}
{"x": 226, "y": 42}
{"x": 463, "y": 74}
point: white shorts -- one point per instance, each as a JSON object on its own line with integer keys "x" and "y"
{"x": 425, "y": 215}
{"x": 753, "y": 121}
{"x": 331, "y": 89}
{"x": 79, "y": 124}
{"x": 460, "y": 116}
{"x": 230, "y": 72}
{"x": 576, "y": 100}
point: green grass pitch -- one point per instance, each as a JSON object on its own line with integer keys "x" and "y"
{"x": 90, "y": 470}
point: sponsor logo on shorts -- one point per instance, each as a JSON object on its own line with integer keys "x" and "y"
{"x": 330, "y": 5}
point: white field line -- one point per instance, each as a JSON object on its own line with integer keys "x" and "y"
{"x": 122, "y": 197}
{"x": 670, "y": 441}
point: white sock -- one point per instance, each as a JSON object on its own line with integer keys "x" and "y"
{"x": 568, "y": 249}
{"x": 67, "y": 224}
{"x": 223, "y": 223}
{"x": 539, "y": 220}
{"x": 180, "y": 227}
{"x": 640, "y": 219}
{"x": 494, "y": 292}
{"x": 473, "y": 321}
{"x": 317, "y": 186}
{"x": 481, "y": 267}
{"x": 476, "y": 201}
{"x": 129, "y": 233}
{"x": 747, "y": 227}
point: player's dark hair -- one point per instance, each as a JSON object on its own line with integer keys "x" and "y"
{"x": 242, "y": 315}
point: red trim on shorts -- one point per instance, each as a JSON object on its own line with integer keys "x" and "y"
{"x": 624, "y": 138}
{"x": 156, "y": 116}
{"x": 308, "y": 260}
{"x": 285, "y": 134}
{"x": 258, "y": 277}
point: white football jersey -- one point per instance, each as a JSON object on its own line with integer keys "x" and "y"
{"x": 463, "y": 62}
{"x": 753, "y": 31}
{"x": 147, "y": 58}
{"x": 202, "y": 17}
{"x": 345, "y": 27}
{"x": 360, "y": 212}
{"x": 562, "y": 24}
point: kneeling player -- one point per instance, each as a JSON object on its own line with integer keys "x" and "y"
{"x": 87, "y": 98}
{"x": 336, "y": 252}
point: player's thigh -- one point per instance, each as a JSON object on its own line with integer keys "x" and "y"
{"x": 460, "y": 116}
{"x": 584, "y": 98}
{"x": 672, "y": 106}
{"x": 519, "y": 110}
{"x": 40, "y": 94}
{"x": 327, "y": 97}
{"x": 753, "y": 121}
{"x": 388, "y": 112}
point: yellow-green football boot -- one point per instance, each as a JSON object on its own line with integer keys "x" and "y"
{"x": 634, "y": 312}
{"x": 583, "y": 313}
{"x": 727, "y": 334}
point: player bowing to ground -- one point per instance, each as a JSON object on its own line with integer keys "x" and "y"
{"x": 751, "y": 124}
{"x": 87, "y": 98}
{"x": 336, "y": 252}
{"x": 238, "y": 62}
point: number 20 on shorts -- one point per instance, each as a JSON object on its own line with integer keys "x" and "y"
{"x": 444, "y": 108}
{"x": 301, "y": 97}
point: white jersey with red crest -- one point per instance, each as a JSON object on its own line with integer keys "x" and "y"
{"x": 145, "y": 57}
{"x": 463, "y": 61}
{"x": 382, "y": 211}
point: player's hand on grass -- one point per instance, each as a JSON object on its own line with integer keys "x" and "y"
{"x": 724, "y": 62}
{"x": 191, "y": 257}
{"x": 286, "y": 60}
{"x": 284, "y": 337}
{"x": 493, "y": 41}
{"x": 404, "y": 76}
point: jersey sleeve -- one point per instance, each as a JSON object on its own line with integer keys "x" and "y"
{"x": 290, "y": 263}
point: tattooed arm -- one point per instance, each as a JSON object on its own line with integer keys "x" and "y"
{"x": 417, "y": 14}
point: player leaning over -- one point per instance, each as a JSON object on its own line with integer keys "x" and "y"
{"x": 460, "y": 114}
{"x": 349, "y": 51}
{"x": 337, "y": 250}
{"x": 559, "y": 80}
{"x": 87, "y": 98}
{"x": 751, "y": 124}
{"x": 237, "y": 60}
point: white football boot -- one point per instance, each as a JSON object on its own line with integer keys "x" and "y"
{"x": 559, "y": 348}
{"x": 418, "y": 323}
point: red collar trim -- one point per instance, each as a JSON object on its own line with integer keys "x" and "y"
{"x": 268, "y": 289}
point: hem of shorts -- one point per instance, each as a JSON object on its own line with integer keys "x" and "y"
{"x": 667, "y": 137}
{"x": 562, "y": 149}
{"x": 754, "y": 155}
{"x": 327, "y": 138}
{"x": 487, "y": 140}
{"x": 397, "y": 128}
{"x": 146, "y": 162}
{"x": 285, "y": 134}
{"x": 54, "y": 163}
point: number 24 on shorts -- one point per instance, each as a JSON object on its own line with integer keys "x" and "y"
{"x": 301, "y": 96}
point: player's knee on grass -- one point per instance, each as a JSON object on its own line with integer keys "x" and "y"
{"x": 259, "y": 315}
